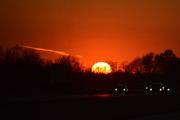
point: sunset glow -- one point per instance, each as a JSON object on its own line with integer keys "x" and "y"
{"x": 94, "y": 30}
{"x": 89, "y": 59}
{"x": 101, "y": 67}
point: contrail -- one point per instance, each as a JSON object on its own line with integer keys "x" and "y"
{"x": 49, "y": 50}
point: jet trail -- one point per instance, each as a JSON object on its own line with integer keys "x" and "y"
{"x": 49, "y": 50}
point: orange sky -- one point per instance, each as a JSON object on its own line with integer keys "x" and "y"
{"x": 98, "y": 30}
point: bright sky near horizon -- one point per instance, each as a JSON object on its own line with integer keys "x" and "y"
{"x": 98, "y": 30}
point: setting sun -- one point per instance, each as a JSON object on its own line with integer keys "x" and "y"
{"x": 101, "y": 67}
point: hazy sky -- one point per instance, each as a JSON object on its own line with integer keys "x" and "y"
{"x": 98, "y": 30}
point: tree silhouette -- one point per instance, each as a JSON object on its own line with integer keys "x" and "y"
{"x": 127, "y": 67}
{"x": 138, "y": 67}
{"x": 135, "y": 66}
{"x": 69, "y": 62}
{"x": 24, "y": 70}
{"x": 21, "y": 57}
{"x": 148, "y": 62}
{"x": 166, "y": 61}
{"x": 100, "y": 69}
{"x": 113, "y": 65}
{"x": 21, "y": 67}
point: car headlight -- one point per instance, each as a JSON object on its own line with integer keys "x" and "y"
{"x": 160, "y": 89}
{"x": 115, "y": 89}
{"x": 150, "y": 89}
{"x": 168, "y": 89}
{"x": 124, "y": 89}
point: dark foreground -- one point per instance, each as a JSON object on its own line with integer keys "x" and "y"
{"x": 91, "y": 108}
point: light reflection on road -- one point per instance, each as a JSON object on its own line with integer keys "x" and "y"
{"x": 58, "y": 97}
{"x": 103, "y": 95}
{"x": 65, "y": 97}
{"x": 107, "y": 95}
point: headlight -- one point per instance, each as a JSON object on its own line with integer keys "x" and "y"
{"x": 115, "y": 89}
{"x": 124, "y": 89}
{"x": 168, "y": 89}
{"x": 150, "y": 89}
{"x": 160, "y": 89}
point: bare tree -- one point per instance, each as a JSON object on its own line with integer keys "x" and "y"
{"x": 113, "y": 65}
{"x": 127, "y": 67}
{"x": 18, "y": 56}
{"x": 137, "y": 65}
{"x": 69, "y": 62}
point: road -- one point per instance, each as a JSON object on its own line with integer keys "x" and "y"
{"x": 92, "y": 107}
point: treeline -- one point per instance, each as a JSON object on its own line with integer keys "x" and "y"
{"x": 152, "y": 63}
{"x": 24, "y": 72}
{"x": 163, "y": 67}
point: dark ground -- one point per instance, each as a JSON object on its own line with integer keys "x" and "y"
{"x": 90, "y": 108}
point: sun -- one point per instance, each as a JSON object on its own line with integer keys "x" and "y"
{"x": 101, "y": 67}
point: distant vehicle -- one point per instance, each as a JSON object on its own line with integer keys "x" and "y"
{"x": 158, "y": 88}
{"x": 121, "y": 88}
